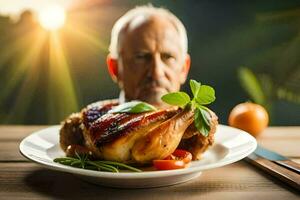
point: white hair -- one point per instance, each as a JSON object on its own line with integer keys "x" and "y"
{"x": 144, "y": 11}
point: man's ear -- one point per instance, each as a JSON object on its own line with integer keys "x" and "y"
{"x": 185, "y": 69}
{"x": 112, "y": 66}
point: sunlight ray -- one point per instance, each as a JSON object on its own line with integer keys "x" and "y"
{"x": 88, "y": 35}
{"x": 22, "y": 66}
{"x": 24, "y": 96}
{"x": 28, "y": 86}
{"x": 62, "y": 98}
{"x": 14, "y": 46}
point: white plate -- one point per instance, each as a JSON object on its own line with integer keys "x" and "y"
{"x": 231, "y": 145}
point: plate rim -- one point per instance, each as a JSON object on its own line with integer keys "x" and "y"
{"x": 136, "y": 175}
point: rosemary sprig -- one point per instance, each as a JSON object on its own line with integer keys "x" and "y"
{"x": 82, "y": 161}
{"x": 120, "y": 165}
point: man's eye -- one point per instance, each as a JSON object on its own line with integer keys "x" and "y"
{"x": 166, "y": 56}
{"x": 141, "y": 56}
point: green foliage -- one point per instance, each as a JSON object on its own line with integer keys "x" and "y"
{"x": 133, "y": 107}
{"x": 180, "y": 99}
{"x": 205, "y": 95}
{"x": 251, "y": 85}
{"x": 82, "y": 161}
{"x": 202, "y": 122}
{"x": 262, "y": 89}
{"x": 202, "y": 95}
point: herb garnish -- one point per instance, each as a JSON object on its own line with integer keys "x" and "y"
{"x": 202, "y": 95}
{"x": 133, "y": 107}
{"x": 82, "y": 161}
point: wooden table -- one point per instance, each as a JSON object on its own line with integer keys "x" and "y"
{"x": 22, "y": 179}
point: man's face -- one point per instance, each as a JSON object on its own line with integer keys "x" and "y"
{"x": 151, "y": 61}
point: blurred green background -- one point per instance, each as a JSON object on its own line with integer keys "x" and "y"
{"x": 46, "y": 75}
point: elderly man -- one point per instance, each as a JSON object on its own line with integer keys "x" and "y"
{"x": 148, "y": 54}
{"x": 148, "y": 58}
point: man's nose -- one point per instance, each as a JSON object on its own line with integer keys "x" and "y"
{"x": 157, "y": 67}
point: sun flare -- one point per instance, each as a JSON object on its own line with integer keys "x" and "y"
{"x": 52, "y": 18}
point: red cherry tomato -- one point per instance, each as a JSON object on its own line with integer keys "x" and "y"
{"x": 177, "y": 160}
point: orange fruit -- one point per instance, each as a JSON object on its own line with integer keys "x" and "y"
{"x": 249, "y": 117}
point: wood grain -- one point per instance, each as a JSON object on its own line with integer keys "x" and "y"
{"x": 21, "y": 179}
{"x": 283, "y": 140}
{"x": 9, "y": 151}
{"x": 13, "y": 133}
{"x": 235, "y": 181}
{"x": 283, "y": 174}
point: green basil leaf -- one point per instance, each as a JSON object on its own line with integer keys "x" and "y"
{"x": 206, "y": 95}
{"x": 200, "y": 124}
{"x": 142, "y": 107}
{"x": 133, "y": 107}
{"x": 195, "y": 86}
{"x": 206, "y": 115}
{"x": 180, "y": 99}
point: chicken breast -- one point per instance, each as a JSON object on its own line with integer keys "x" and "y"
{"x": 134, "y": 138}
{"x": 113, "y": 136}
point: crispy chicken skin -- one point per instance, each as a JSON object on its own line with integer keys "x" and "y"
{"x": 162, "y": 140}
{"x": 116, "y": 142}
{"x": 134, "y": 138}
{"x": 71, "y": 131}
{"x": 195, "y": 142}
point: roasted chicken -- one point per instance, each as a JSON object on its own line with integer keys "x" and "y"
{"x": 135, "y": 138}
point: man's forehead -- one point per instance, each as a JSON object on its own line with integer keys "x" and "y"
{"x": 141, "y": 22}
{"x": 154, "y": 28}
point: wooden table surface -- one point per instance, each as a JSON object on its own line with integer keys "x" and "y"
{"x": 22, "y": 179}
